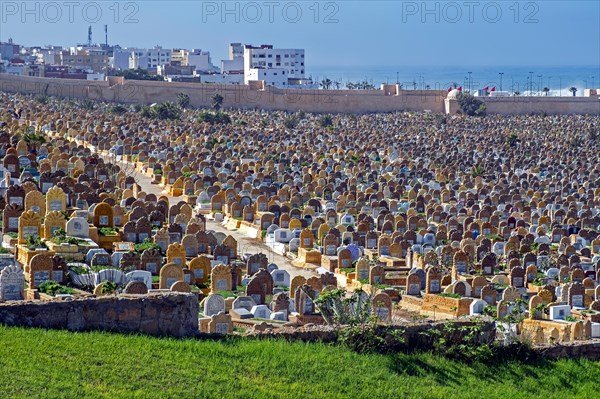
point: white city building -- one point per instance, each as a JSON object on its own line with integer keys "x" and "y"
{"x": 120, "y": 58}
{"x": 275, "y": 66}
{"x": 149, "y": 59}
{"x": 235, "y": 63}
{"x": 201, "y": 60}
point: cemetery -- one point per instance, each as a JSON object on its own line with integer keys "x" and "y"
{"x": 386, "y": 220}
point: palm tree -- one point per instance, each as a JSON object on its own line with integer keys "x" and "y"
{"x": 350, "y": 86}
{"x": 326, "y": 83}
{"x": 454, "y": 85}
{"x": 546, "y": 90}
{"x": 217, "y": 101}
{"x": 337, "y": 84}
{"x": 573, "y": 90}
{"x": 517, "y": 93}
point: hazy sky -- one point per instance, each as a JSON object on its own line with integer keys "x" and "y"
{"x": 384, "y": 33}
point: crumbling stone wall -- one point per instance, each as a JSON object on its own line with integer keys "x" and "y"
{"x": 162, "y": 314}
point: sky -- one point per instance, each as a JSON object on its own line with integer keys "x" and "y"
{"x": 341, "y": 33}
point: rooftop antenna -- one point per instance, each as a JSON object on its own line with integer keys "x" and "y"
{"x": 106, "y": 35}
{"x": 90, "y": 36}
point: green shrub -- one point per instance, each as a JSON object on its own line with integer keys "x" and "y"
{"x": 166, "y": 110}
{"x": 116, "y": 109}
{"x": 214, "y": 118}
{"x": 53, "y": 288}
{"x": 107, "y": 231}
{"x": 470, "y": 105}
{"x": 34, "y": 243}
{"x": 372, "y": 338}
{"x": 450, "y": 295}
{"x": 146, "y": 244}
{"x": 108, "y": 287}
{"x": 326, "y": 121}
{"x": 183, "y": 100}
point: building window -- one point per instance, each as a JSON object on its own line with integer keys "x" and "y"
{"x": 270, "y": 55}
{"x": 287, "y": 56}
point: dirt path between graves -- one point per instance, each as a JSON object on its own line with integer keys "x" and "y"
{"x": 246, "y": 245}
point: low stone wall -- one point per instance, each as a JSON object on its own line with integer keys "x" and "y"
{"x": 413, "y": 334}
{"x": 174, "y": 315}
{"x": 579, "y": 349}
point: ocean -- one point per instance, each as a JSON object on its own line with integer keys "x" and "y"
{"x": 557, "y": 78}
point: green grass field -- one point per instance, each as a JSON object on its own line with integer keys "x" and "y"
{"x": 57, "y": 364}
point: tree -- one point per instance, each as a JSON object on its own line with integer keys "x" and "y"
{"x": 220, "y": 118}
{"x": 138, "y": 74}
{"x": 166, "y": 110}
{"x": 217, "y": 101}
{"x": 517, "y": 93}
{"x": 326, "y": 121}
{"x": 290, "y": 122}
{"x": 470, "y": 105}
{"x": 117, "y": 109}
{"x": 326, "y": 83}
{"x": 573, "y": 90}
{"x": 546, "y": 90}
{"x": 183, "y": 100}
{"x": 454, "y": 85}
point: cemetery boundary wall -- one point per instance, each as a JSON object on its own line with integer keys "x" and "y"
{"x": 414, "y": 335}
{"x": 569, "y": 350}
{"x": 389, "y": 99}
{"x": 174, "y": 315}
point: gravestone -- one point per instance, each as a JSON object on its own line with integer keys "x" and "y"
{"x": 221, "y": 278}
{"x": 170, "y": 274}
{"x": 77, "y": 227}
{"x": 40, "y": 270}
{"x": 213, "y": 304}
{"x": 12, "y": 282}
{"x": 141, "y": 276}
{"x": 281, "y": 278}
{"x": 382, "y": 307}
{"x": 413, "y": 284}
{"x": 136, "y": 288}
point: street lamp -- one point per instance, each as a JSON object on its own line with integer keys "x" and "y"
{"x": 530, "y": 82}
{"x": 560, "y": 86}
{"x": 501, "y": 73}
{"x": 469, "y": 81}
{"x": 549, "y": 77}
{"x": 540, "y": 85}
{"x": 397, "y": 78}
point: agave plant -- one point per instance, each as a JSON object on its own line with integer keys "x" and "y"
{"x": 476, "y": 170}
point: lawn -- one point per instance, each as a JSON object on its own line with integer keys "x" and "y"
{"x": 57, "y": 364}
